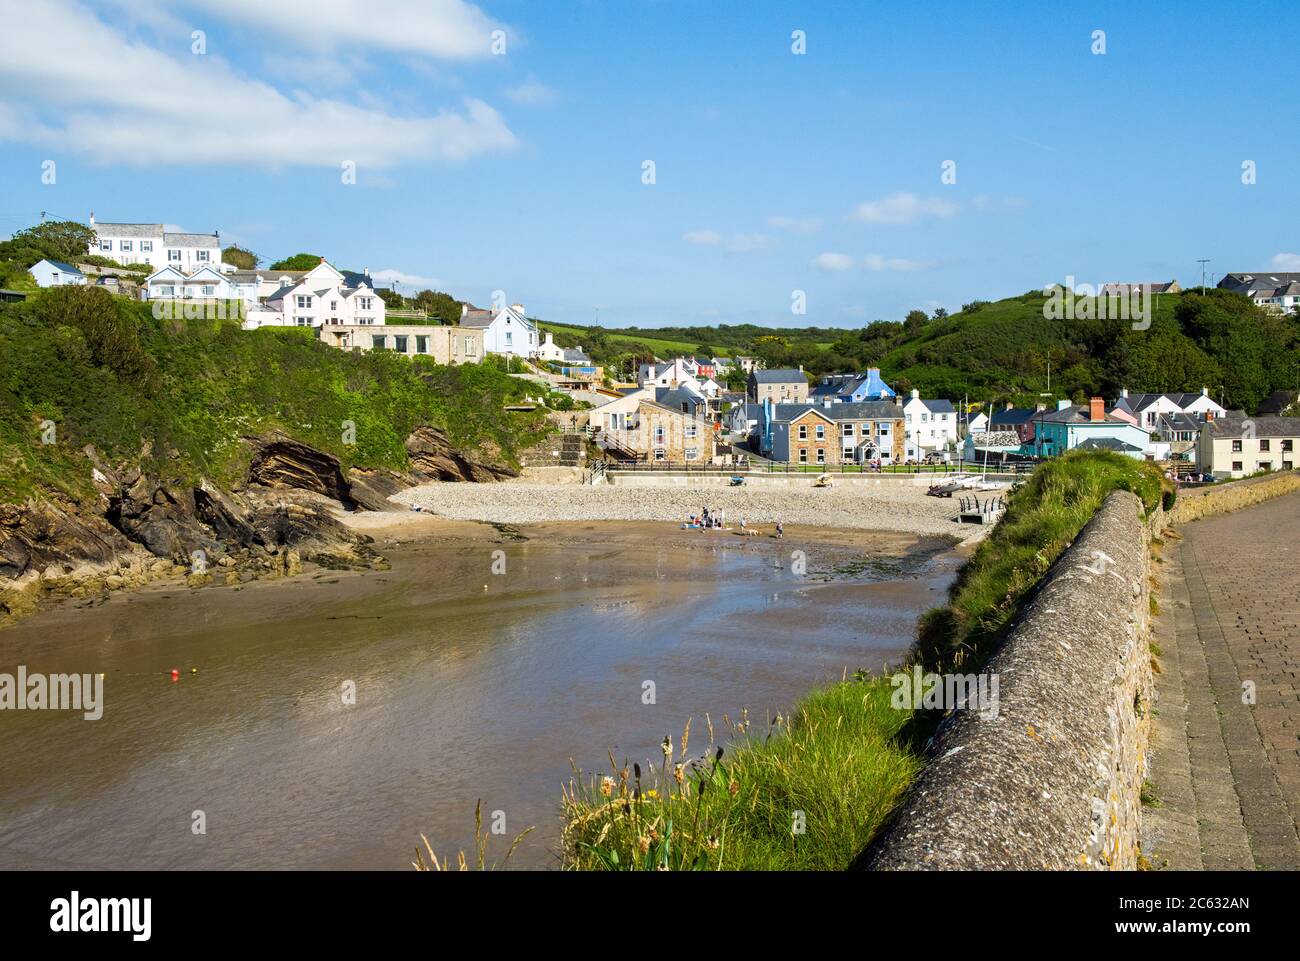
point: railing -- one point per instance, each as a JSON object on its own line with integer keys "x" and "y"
{"x": 776, "y": 467}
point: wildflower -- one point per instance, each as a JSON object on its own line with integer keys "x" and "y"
{"x": 606, "y": 786}
{"x": 643, "y": 844}
{"x": 734, "y": 787}
{"x": 713, "y": 842}
{"x": 678, "y": 774}
{"x": 668, "y": 747}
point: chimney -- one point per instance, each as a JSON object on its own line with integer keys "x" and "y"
{"x": 1123, "y": 393}
{"x": 464, "y": 309}
{"x": 519, "y": 309}
{"x": 1205, "y": 392}
{"x": 1008, "y": 407}
{"x": 92, "y": 218}
{"x": 1096, "y": 409}
{"x": 801, "y": 368}
{"x": 1040, "y": 407}
{"x": 916, "y": 394}
{"x": 1063, "y": 404}
{"x": 826, "y": 402}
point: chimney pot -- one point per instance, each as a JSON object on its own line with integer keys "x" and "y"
{"x": 1096, "y": 409}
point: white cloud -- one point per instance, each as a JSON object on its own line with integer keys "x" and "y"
{"x": 795, "y": 225}
{"x": 445, "y": 29}
{"x": 386, "y": 278}
{"x": 89, "y": 89}
{"x": 833, "y": 261}
{"x": 702, "y": 238}
{"x": 877, "y": 263}
{"x": 902, "y": 208}
{"x": 735, "y": 243}
{"x": 1286, "y": 262}
{"x": 532, "y": 93}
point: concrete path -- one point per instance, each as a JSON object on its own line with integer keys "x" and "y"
{"x": 1226, "y": 760}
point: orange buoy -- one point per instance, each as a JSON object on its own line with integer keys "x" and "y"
{"x": 176, "y": 675}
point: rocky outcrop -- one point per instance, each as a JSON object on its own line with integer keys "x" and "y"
{"x": 433, "y": 458}
{"x": 37, "y": 536}
{"x": 286, "y": 463}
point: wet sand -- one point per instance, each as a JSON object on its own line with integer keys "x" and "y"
{"x": 470, "y": 684}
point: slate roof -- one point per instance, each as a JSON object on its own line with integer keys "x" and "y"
{"x": 674, "y": 397}
{"x": 66, "y": 268}
{"x": 862, "y": 410}
{"x": 1278, "y": 401}
{"x": 148, "y": 231}
{"x": 1235, "y": 426}
{"x": 939, "y": 406}
{"x": 782, "y": 375}
{"x": 192, "y": 240}
{"x": 1107, "y": 443}
{"x": 1012, "y": 417}
{"x": 1075, "y": 414}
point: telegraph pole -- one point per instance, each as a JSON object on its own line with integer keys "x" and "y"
{"x": 1203, "y": 263}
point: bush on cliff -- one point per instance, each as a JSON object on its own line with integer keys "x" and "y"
{"x": 81, "y": 366}
{"x": 1043, "y": 518}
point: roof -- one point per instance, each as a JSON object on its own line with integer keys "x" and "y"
{"x": 60, "y": 265}
{"x": 1076, "y": 414}
{"x": 939, "y": 406}
{"x": 1107, "y": 443}
{"x": 1011, "y": 416}
{"x": 129, "y": 230}
{"x": 1235, "y": 426}
{"x": 994, "y": 438}
{"x": 1278, "y": 401}
{"x": 192, "y": 240}
{"x": 675, "y": 397}
{"x": 862, "y": 410}
{"x": 1138, "y": 402}
{"x": 782, "y": 375}
{"x": 1156, "y": 288}
{"x": 1179, "y": 422}
{"x": 474, "y": 317}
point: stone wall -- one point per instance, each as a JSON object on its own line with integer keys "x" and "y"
{"x": 1053, "y": 781}
{"x": 1232, "y": 495}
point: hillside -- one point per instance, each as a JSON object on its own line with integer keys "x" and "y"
{"x": 1002, "y": 350}
{"x": 82, "y": 367}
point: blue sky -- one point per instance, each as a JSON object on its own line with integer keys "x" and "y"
{"x": 774, "y": 172}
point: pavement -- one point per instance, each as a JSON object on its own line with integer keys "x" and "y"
{"x": 1226, "y": 754}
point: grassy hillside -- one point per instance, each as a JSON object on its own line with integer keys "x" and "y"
{"x": 1006, "y": 349}
{"x": 83, "y": 367}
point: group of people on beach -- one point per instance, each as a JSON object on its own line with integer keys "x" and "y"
{"x": 717, "y": 520}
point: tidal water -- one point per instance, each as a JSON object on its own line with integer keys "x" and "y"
{"x": 469, "y": 685}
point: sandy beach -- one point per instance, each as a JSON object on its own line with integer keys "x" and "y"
{"x": 887, "y": 507}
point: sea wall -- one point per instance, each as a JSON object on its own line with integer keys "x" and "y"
{"x": 1053, "y": 779}
{"x": 1232, "y": 495}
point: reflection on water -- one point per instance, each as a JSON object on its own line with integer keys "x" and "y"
{"x": 468, "y": 686}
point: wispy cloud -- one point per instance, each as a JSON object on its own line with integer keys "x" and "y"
{"x": 89, "y": 89}
{"x": 734, "y": 243}
{"x": 833, "y": 261}
{"x": 1287, "y": 262}
{"x": 902, "y": 208}
{"x": 532, "y": 93}
{"x": 877, "y": 263}
{"x": 795, "y": 225}
{"x": 445, "y": 29}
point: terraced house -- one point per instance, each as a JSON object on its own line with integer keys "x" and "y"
{"x": 833, "y": 434}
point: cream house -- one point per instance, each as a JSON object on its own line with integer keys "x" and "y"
{"x": 444, "y": 345}
{"x": 1237, "y": 446}
{"x": 320, "y": 298}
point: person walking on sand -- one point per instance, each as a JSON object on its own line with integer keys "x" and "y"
{"x": 780, "y": 531}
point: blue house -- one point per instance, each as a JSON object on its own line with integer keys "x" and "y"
{"x": 1090, "y": 428}
{"x": 852, "y": 388}
{"x": 55, "y": 273}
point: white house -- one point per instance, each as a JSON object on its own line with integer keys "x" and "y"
{"x": 549, "y": 350}
{"x": 670, "y": 373}
{"x": 506, "y": 331}
{"x": 929, "y": 425}
{"x": 321, "y": 298}
{"x": 978, "y": 424}
{"x": 55, "y": 273}
{"x": 1146, "y": 409}
{"x": 205, "y": 283}
{"x": 153, "y": 245}
{"x": 1236, "y": 446}
{"x": 1279, "y": 292}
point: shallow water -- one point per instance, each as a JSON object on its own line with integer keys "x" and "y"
{"x": 468, "y": 685}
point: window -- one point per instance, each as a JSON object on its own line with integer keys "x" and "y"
{"x": 659, "y": 434}
{"x": 1286, "y": 445}
{"x": 846, "y": 430}
{"x": 925, "y": 418}
{"x": 378, "y": 341}
{"x": 692, "y": 453}
{"x": 207, "y": 290}
{"x": 125, "y": 245}
{"x": 821, "y": 455}
{"x": 106, "y": 245}
{"x": 469, "y": 346}
{"x": 173, "y": 256}
{"x": 421, "y": 344}
{"x": 146, "y": 246}
{"x": 803, "y": 431}
{"x": 1236, "y": 447}
{"x": 302, "y": 321}
{"x": 201, "y": 256}
{"x": 1265, "y": 465}
{"x": 803, "y": 455}
{"x": 821, "y": 431}
{"x": 304, "y": 301}
{"x": 364, "y": 302}
{"x": 509, "y": 336}
{"x": 334, "y": 305}
{"x": 399, "y": 343}
{"x": 691, "y": 431}
{"x": 660, "y": 453}
{"x": 884, "y": 430}
{"x": 848, "y": 453}
{"x": 1236, "y": 465}
{"x": 1263, "y": 445}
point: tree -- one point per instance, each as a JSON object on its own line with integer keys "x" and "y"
{"x": 243, "y": 258}
{"x": 444, "y": 308}
{"x": 298, "y": 262}
{"x": 914, "y": 321}
{"x": 940, "y": 313}
{"x": 391, "y": 298}
{"x": 57, "y": 240}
